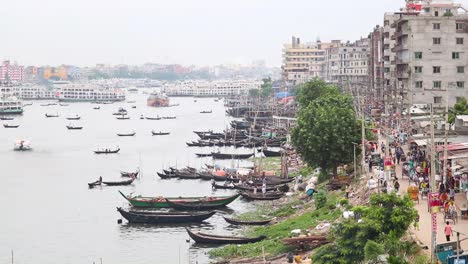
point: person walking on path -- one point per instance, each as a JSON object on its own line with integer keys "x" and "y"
{"x": 448, "y": 231}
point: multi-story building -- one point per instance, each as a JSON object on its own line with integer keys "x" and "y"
{"x": 376, "y": 64}
{"x": 431, "y": 52}
{"x": 11, "y": 73}
{"x": 303, "y": 61}
{"x": 347, "y": 65}
{"x": 212, "y": 88}
{"x": 59, "y": 73}
{"x": 389, "y": 79}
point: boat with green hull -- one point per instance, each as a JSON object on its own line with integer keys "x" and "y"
{"x": 161, "y": 202}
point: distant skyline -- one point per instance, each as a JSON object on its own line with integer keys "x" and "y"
{"x": 203, "y": 32}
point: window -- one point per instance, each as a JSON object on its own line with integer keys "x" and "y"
{"x": 436, "y": 13}
{"x": 459, "y": 41}
{"x": 458, "y": 99}
{"x": 418, "y": 55}
{"x": 436, "y": 26}
{"x": 437, "y": 84}
{"x": 460, "y": 84}
{"x": 436, "y": 41}
{"x": 437, "y": 99}
{"x": 460, "y": 26}
{"x": 455, "y": 55}
{"x": 436, "y": 69}
{"x": 418, "y": 84}
{"x": 460, "y": 69}
{"x": 418, "y": 69}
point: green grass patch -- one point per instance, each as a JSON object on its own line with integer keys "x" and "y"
{"x": 275, "y": 233}
{"x": 269, "y": 163}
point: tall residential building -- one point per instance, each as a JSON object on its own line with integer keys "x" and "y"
{"x": 376, "y": 63}
{"x": 389, "y": 83}
{"x": 431, "y": 52}
{"x": 348, "y": 65}
{"x": 12, "y": 73}
{"x": 303, "y": 61}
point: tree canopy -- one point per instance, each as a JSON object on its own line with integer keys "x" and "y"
{"x": 384, "y": 221}
{"x": 460, "y": 108}
{"x": 313, "y": 90}
{"x": 326, "y": 129}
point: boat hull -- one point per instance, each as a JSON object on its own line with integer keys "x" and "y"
{"x": 160, "y": 202}
{"x": 163, "y": 218}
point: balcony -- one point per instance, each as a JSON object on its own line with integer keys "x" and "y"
{"x": 402, "y": 74}
{"x": 402, "y": 61}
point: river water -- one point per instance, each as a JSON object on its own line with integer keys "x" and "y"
{"x": 50, "y": 216}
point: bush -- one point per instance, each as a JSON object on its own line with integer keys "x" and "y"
{"x": 320, "y": 199}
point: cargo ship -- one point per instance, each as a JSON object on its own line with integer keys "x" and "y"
{"x": 157, "y": 100}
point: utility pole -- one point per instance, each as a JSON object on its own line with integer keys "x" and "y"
{"x": 444, "y": 180}
{"x": 433, "y": 183}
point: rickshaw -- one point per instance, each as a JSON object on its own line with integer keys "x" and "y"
{"x": 413, "y": 192}
{"x": 450, "y": 214}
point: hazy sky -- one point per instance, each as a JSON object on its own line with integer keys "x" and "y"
{"x": 203, "y": 32}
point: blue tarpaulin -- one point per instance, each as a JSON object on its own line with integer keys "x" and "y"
{"x": 282, "y": 94}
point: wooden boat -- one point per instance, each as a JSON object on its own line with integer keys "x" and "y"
{"x": 271, "y": 153}
{"x": 206, "y": 112}
{"x": 96, "y": 107}
{"x": 160, "y": 133}
{"x": 248, "y": 188}
{"x": 94, "y": 184}
{"x": 187, "y": 175}
{"x": 107, "y": 151}
{"x": 166, "y": 175}
{"x": 10, "y": 126}
{"x": 119, "y": 183}
{"x": 200, "y": 155}
{"x": 126, "y": 134}
{"x": 243, "y": 222}
{"x": 123, "y": 117}
{"x": 129, "y": 174}
{"x": 222, "y": 186}
{"x": 169, "y": 117}
{"x": 215, "y": 239}
{"x": 315, "y": 240}
{"x": 62, "y": 104}
{"x": 160, "y": 202}
{"x": 6, "y": 118}
{"x": 153, "y": 118}
{"x": 133, "y": 106}
{"x": 260, "y": 196}
{"x": 197, "y": 206}
{"x": 217, "y": 155}
{"x": 74, "y": 127}
{"x": 163, "y": 217}
{"x": 48, "y": 115}
{"x": 73, "y": 118}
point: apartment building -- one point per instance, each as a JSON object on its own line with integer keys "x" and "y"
{"x": 348, "y": 65}
{"x": 303, "y": 61}
{"x": 431, "y": 52}
{"x": 376, "y": 63}
{"x": 11, "y": 72}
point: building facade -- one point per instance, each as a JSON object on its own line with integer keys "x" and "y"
{"x": 348, "y": 65}
{"x": 303, "y": 61}
{"x": 11, "y": 72}
{"x": 431, "y": 53}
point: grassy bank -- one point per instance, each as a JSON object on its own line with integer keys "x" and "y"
{"x": 299, "y": 216}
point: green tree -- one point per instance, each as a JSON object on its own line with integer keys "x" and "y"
{"x": 325, "y": 130}
{"x": 310, "y": 91}
{"x": 372, "y": 250}
{"x": 384, "y": 221}
{"x": 460, "y": 108}
{"x": 266, "y": 87}
{"x": 254, "y": 93}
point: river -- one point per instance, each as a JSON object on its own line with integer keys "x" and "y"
{"x": 50, "y": 216}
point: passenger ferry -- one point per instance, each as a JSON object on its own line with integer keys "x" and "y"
{"x": 9, "y": 102}
{"x": 218, "y": 88}
{"x": 11, "y": 106}
{"x": 84, "y": 93}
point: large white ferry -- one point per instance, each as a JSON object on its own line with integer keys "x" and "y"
{"x": 9, "y": 103}
{"x": 85, "y": 93}
{"x": 219, "y": 88}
